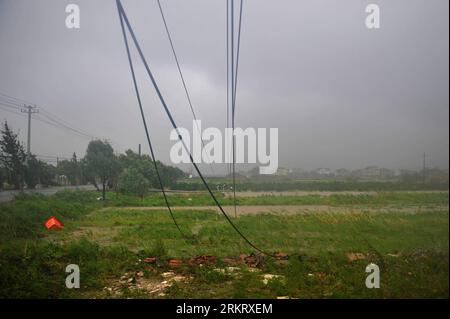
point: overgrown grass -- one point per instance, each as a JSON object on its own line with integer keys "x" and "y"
{"x": 37, "y": 269}
{"x": 310, "y": 233}
{"x": 312, "y": 185}
{"x": 411, "y": 249}
{"x": 381, "y": 198}
{"x": 23, "y": 218}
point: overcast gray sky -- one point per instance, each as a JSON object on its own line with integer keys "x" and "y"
{"x": 341, "y": 95}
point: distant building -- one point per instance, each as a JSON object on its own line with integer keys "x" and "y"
{"x": 437, "y": 175}
{"x": 374, "y": 173}
{"x": 323, "y": 171}
{"x": 342, "y": 172}
{"x": 282, "y": 171}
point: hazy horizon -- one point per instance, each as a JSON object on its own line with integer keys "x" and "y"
{"x": 342, "y": 96}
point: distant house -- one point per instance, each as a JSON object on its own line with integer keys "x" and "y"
{"x": 282, "y": 171}
{"x": 374, "y": 173}
{"x": 323, "y": 171}
{"x": 437, "y": 175}
{"x": 342, "y": 172}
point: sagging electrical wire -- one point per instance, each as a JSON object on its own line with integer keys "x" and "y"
{"x": 138, "y": 96}
{"x": 124, "y": 18}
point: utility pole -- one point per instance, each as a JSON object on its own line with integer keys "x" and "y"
{"x": 139, "y": 149}
{"x": 30, "y": 110}
{"x": 424, "y": 168}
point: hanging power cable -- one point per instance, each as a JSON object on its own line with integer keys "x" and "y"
{"x": 228, "y": 72}
{"x": 124, "y": 18}
{"x": 234, "y": 73}
{"x": 138, "y": 96}
{"x": 182, "y": 80}
{"x": 237, "y": 56}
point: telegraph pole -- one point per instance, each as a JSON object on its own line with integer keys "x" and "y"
{"x": 424, "y": 168}
{"x": 30, "y": 110}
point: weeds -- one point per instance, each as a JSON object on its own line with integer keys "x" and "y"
{"x": 411, "y": 249}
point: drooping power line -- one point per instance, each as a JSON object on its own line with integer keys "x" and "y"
{"x": 124, "y": 18}
{"x": 138, "y": 96}
{"x": 188, "y": 96}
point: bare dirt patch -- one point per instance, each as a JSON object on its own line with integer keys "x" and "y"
{"x": 137, "y": 282}
{"x": 320, "y": 193}
{"x": 290, "y": 209}
{"x": 101, "y": 235}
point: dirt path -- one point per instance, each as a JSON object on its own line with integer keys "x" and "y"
{"x": 293, "y": 209}
{"x": 322, "y": 193}
{"x": 299, "y": 193}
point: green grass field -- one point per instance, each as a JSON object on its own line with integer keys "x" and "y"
{"x": 109, "y": 241}
{"x": 398, "y": 199}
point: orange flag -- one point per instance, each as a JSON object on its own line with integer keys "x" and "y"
{"x": 52, "y": 222}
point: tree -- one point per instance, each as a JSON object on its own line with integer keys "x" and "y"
{"x": 87, "y": 175}
{"x": 131, "y": 181}
{"x": 47, "y": 174}
{"x": 2, "y": 177}
{"x": 101, "y": 163}
{"x": 144, "y": 164}
{"x": 71, "y": 169}
{"x": 12, "y": 156}
{"x": 33, "y": 171}
{"x": 38, "y": 172}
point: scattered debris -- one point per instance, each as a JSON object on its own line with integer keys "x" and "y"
{"x": 174, "y": 262}
{"x": 150, "y": 260}
{"x": 202, "y": 260}
{"x": 228, "y": 270}
{"x": 168, "y": 274}
{"x": 268, "y": 277}
{"x": 254, "y": 270}
{"x": 252, "y": 260}
{"x": 394, "y": 255}
{"x": 355, "y": 256}
{"x": 138, "y": 281}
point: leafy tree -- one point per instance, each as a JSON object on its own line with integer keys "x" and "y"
{"x": 2, "y": 177}
{"x": 131, "y": 181}
{"x": 101, "y": 163}
{"x": 33, "y": 171}
{"x": 170, "y": 174}
{"x": 145, "y": 166}
{"x": 74, "y": 171}
{"x": 12, "y": 156}
{"x": 87, "y": 175}
{"x": 47, "y": 174}
{"x": 71, "y": 169}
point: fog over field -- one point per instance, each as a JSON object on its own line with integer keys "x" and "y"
{"x": 341, "y": 95}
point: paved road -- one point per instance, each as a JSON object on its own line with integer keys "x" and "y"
{"x": 6, "y": 196}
